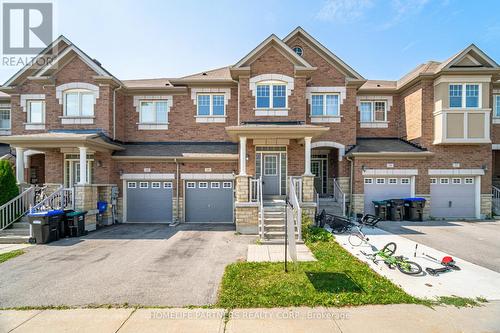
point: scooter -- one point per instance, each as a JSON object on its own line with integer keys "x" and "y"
{"x": 447, "y": 262}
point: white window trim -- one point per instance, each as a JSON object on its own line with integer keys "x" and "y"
{"x": 368, "y": 181}
{"x": 444, "y": 181}
{"x": 434, "y": 181}
{"x": 131, "y": 184}
{"x": 374, "y": 123}
{"x": 141, "y": 185}
{"x": 32, "y": 125}
{"x": 8, "y": 109}
{"x": 80, "y": 92}
{"x": 464, "y": 96}
{"x": 405, "y": 181}
{"x": 151, "y": 98}
{"x": 496, "y": 105}
{"x": 469, "y": 181}
{"x": 456, "y": 181}
{"x": 203, "y": 185}
{"x": 324, "y": 115}
{"x": 76, "y": 85}
{"x": 155, "y": 102}
{"x": 271, "y": 84}
{"x": 214, "y": 185}
{"x": 380, "y": 181}
{"x": 264, "y": 165}
{"x": 265, "y": 79}
{"x": 211, "y": 106}
{"x": 227, "y": 185}
{"x": 191, "y": 184}
{"x": 155, "y": 184}
{"x": 392, "y": 179}
{"x": 167, "y": 185}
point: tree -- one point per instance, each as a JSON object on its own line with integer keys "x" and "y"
{"x": 8, "y": 186}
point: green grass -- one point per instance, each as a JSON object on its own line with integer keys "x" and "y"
{"x": 461, "y": 302}
{"x": 9, "y": 255}
{"x": 336, "y": 279}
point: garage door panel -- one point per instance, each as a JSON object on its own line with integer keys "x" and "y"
{"x": 209, "y": 204}
{"x": 377, "y": 192}
{"x": 149, "y": 204}
{"x": 453, "y": 200}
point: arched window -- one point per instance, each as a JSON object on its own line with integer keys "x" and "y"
{"x": 298, "y": 50}
{"x": 79, "y": 103}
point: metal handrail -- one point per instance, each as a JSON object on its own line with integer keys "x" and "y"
{"x": 62, "y": 198}
{"x": 261, "y": 207}
{"x": 13, "y": 210}
{"x": 495, "y": 191}
{"x": 339, "y": 196}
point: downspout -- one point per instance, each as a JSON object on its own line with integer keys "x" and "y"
{"x": 351, "y": 182}
{"x": 176, "y": 192}
{"x": 114, "y": 111}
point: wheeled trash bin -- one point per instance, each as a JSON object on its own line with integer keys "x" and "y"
{"x": 76, "y": 223}
{"x": 380, "y": 209}
{"x": 45, "y": 226}
{"x": 396, "y": 210}
{"x": 414, "y": 209}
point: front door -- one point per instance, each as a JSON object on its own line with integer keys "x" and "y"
{"x": 270, "y": 174}
{"x": 318, "y": 175}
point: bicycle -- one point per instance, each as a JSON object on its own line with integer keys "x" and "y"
{"x": 357, "y": 237}
{"x": 401, "y": 263}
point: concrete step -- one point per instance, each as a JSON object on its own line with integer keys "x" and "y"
{"x": 275, "y": 234}
{"x": 274, "y": 213}
{"x": 15, "y": 232}
{"x": 12, "y": 239}
{"x": 20, "y": 225}
{"x": 274, "y": 219}
{"x": 277, "y": 241}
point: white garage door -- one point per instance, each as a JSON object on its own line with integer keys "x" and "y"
{"x": 453, "y": 197}
{"x": 384, "y": 188}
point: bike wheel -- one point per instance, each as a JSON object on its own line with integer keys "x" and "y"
{"x": 389, "y": 248}
{"x": 339, "y": 230}
{"x": 409, "y": 267}
{"x": 355, "y": 239}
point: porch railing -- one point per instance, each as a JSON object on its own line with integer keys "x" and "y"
{"x": 13, "y": 210}
{"x": 495, "y": 191}
{"x": 255, "y": 194}
{"x": 62, "y": 198}
{"x": 339, "y": 196}
{"x": 253, "y": 190}
{"x": 293, "y": 199}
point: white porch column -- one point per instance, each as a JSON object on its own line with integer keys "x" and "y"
{"x": 307, "y": 146}
{"x": 20, "y": 165}
{"x": 83, "y": 165}
{"x": 243, "y": 156}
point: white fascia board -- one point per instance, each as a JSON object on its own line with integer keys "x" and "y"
{"x": 390, "y": 172}
{"x": 456, "y": 172}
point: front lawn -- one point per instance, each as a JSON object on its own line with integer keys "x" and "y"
{"x": 9, "y": 255}
{"x": 336, "y": 279}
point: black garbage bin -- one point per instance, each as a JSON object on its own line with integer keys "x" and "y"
{"x": 76, "y": 223}
{"x": 414, "y": 209}
{"x": 396, "y": 209}
{"x": 46, "y": 225}
{"x": 380, "y": 209}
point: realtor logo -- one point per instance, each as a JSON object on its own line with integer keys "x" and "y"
{"x": 27, "y": 28}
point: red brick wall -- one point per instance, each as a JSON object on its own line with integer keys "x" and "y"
{"x": 75, "y": 71}
{"x": 54, "y": 170}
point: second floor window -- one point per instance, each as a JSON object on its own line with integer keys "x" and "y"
{"x": 154, "y": 112}
{"x": 4, "y": 119}
{"x": 496, "y": 102}
{"x": 464, "y": 95}
{"x": 79, "y": 103}
{"x": 36, "y": 112}
{"x": 373, "y": 111}
{"x": 325, "y": 105}
{"x": 211, "y": 105}
{"x": 271, "y": 95}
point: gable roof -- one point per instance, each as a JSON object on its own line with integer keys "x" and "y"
{"x": 325, "y": 52}
{"x": 473, "y": 54}
{"x": 64, "y": 54}
{"x": 222, "y": 74}
{"x": 274, "y": 41}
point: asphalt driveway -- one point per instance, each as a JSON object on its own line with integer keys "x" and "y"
{"x": 474, "y": 241}
{"x": 138, "y": 264}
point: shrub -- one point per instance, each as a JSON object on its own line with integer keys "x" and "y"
{"x": 8, "y": 186}
{"x": 313, "y": 234}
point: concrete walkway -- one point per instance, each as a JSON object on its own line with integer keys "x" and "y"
{"x": 276, "y": 253}
{"x": 471, "y": 281}
{"x": 378, "y": 318}
{"x": 4, "y": 248}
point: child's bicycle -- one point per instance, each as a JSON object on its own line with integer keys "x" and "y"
{"x": 401, "y": 263}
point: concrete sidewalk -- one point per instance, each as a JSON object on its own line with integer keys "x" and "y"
{"x": 4, "y": 248}
{"x": 276, "y": 253}
{"x": 379, "y": 318}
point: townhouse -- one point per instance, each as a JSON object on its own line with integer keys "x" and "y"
{"x": 196, "y": 148}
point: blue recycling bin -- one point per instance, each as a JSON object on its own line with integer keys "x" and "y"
{"x": 102, "y": 206}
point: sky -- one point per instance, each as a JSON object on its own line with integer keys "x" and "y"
{"x": 380, "y": 39}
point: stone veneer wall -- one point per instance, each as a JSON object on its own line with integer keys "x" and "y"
{"x": 486, "y": 206}
{"x": 427, "y": 208}
{"x": 181, "y": 208}
{"x": 358, "y": 204}
{"x": 246, "y": 213}
{"x": 345, "y": 184}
